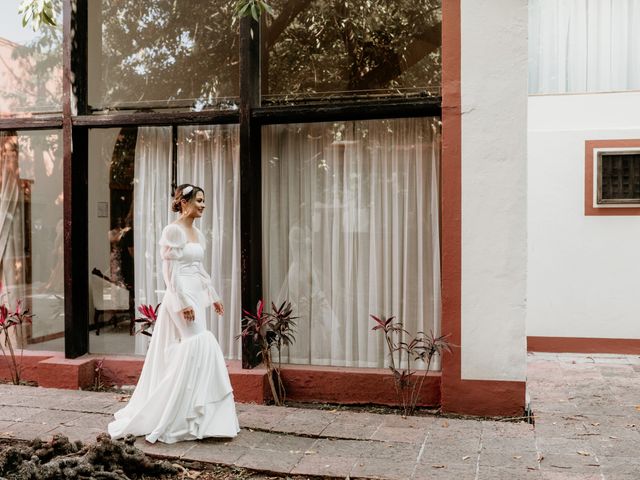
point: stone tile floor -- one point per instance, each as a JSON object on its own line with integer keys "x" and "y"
{"x": 587, "y": 413}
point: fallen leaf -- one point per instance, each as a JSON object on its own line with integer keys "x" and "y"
{"x": 445, "y": 424}
{"x": 560, "y": 466}
{"x": 517, "y": 457}
{"x": 466, "y": 457}
{"x": 532, "y": 468}
{"x": 310, "y": 452}
{"x": 540, "y": 457}
{"x": 333, "y": 411}
{"x": 631, "y": 425}
{"x": 6, "y": 434}
{"x": 595, "y": 424}
{"x": 438, "y": 466}
{"x": 638, "y": 407}
{"x": 583, "y": 453}
{"x": 611, "y": 436}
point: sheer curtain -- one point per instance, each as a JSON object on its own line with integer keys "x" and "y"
{"x": 209, "y": 156}
{"x": 584, "y": 45}
{"x": 12, "y": 233}
{"x": 350, "y": 228}
{"x": 151, "y": 198}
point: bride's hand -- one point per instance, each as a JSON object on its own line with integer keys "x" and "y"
{"x": 188, "y": 314}
{"x": 219, "y": 308}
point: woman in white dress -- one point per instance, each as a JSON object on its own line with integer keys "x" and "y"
{"x": 184, "y": 392}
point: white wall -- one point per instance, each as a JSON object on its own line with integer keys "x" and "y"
{"x": 583, "y": 270}
{"x": 494, "y": 103}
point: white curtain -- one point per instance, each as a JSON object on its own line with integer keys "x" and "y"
{"x": 584, "y": 45}
{"x": 209, "y": 157}
{"x": 12, "y": 232}
{"x": 350, "y": 228}
{"x": 152, "y": 198}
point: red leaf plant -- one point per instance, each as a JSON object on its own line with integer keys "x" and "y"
{"x": 269, "y": 330}
{"x": 10, "y": 321}
{"x": 424, "y": 347}
{"x": 148, "y": 320}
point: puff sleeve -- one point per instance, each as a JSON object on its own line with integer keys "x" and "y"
{"x": 213, "y": 294}
{"x": 172, "y": 244}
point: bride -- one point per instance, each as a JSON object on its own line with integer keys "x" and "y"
{"x": 184, "y": 392}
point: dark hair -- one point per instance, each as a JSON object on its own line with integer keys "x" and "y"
{"x": 179, "y": 196}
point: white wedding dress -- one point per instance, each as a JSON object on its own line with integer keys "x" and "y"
{"x": 184, "y": 392}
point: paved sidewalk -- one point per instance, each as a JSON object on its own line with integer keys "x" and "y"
{"x": 586, "y": 428}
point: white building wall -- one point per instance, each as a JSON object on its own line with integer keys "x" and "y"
{"x": 494, "y": 201}
{"x": 582, "y": 270}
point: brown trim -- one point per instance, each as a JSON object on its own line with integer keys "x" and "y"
{"x": 476, "y": 397}
{"x": 451, "y": 197}
{"x": 589, "y": 209}
{"x": 156, "y": 118}
{"x": 623, "y": 346}
{"x": 342, "y": 111}
{"x": 45, "y": 338}
{"x": 31, "y": 123}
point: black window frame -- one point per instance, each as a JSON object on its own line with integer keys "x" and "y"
{"x": 601, "y": 199}
{"x": 76, "y": 119}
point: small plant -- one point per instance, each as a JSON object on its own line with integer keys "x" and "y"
{"x": 148, "y": 320}
{"x": 423, "y": 347}
{"x": 10, "y": 321}
{"x": 270, "y": 330}
{"x": 97, "y": 378}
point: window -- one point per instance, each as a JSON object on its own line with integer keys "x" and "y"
{"x": 315, "y": 50}
{"x": 31, "y": 233}
{"x": 583, "y": 46}
{"x": 159, "y": 102}
{"x": 619, "y": 177}
{"x": 162, "y": 53}
{"x": 350, "y": 228}
{"x": 131, "y": 171}
{"x": 30, "y": 64}
{"x": 611, "y": 177}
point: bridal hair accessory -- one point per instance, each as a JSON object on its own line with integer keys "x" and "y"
{"x": 187, "y": 190}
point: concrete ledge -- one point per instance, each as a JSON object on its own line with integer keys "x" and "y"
{"x": 303, "y": 383}
{"x": 117, "y": 371}
{"x": 352, "y": 386}
{"x": 28, "y": 362}
{"x": 68, "y": 373}
{"x": 249, "y": 386}
{"x": 623, "y": 346}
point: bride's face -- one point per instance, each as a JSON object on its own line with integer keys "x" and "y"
{"x": 195, "y": 206}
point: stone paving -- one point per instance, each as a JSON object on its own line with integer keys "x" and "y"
{"x": 587, "y": 427}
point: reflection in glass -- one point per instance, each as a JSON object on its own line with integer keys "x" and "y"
{"x": 111, "y": 240}
{"x": 154, "y": 53}
{"x": 314, "y": 48}
{"x": 31, "y": 233}
{"x": 30, "y": 64}
{"x": 350, "y": 228}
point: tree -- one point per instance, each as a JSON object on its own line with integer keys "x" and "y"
{"x": 154, "y": 51}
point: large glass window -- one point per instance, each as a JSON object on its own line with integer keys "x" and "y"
{"x": 583, "y": 46}
{"x": 130, "y": 174}
{"x": 318, "y": 49}
{"x": 31, "y": 233}
{"x": 155, "y": 53}
{"x": 30, "y": 64}
{"x": 350, "y": 228}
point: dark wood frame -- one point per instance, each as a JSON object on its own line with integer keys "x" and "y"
{"x": 612, "y": 201}
{"x": 76, "y": 119}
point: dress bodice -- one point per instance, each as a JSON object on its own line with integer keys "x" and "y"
{"x": 192, "y": 252}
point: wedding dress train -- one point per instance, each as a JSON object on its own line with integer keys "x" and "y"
{"x": 184, "y": 392}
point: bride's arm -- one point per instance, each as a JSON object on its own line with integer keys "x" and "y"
{"x": 172, "y": 245}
